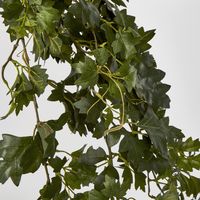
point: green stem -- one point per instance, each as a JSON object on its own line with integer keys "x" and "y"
{"x": 6, "y": 63}
{"x": 47, "y": 173}
{"x": 109, "y": 151}
{"x": 157, "y": 183}
{"x": 61, "y": 151}
{"x": 95, "y": 39}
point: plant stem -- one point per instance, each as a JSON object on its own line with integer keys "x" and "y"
{"x": 95, "y": 39}
{"x": 26, "y": 60}
{"x": 157, "y": 183}
{"x": 148, "y": 185}
{"x": 61, "y": 151}
{"x": 109, "y": 151}
{"x": 36, "y": 109}
{"x": 47, "y": 173}
{"x": 6, "y": 63}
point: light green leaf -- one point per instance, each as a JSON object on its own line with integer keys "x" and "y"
{"x": 112, "y": 187}
{"x": 88, "y": 72}
{"x": 38, "y": 78}
{"x": 96, "y": 195}
{"x": 102, "y": 55}
{"x": 47, "y": 18}
{"x": 35, "y": 2}
{"x": 48, "y": 140}
{"x": 55, "y": 46}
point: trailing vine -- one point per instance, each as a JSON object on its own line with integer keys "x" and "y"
{"x": 120, "y": 98}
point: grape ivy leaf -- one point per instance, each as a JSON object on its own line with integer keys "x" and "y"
{"x": 112, "y": 187}
{"x": 52, "y": 189}
{"x": 90, "y": 14}
{"x": 88, "y": 72}
{"x": 48, "y": 140}
{"x": 134, "y": 147}
{"x": 15, "y": 153}
{"x": 47, "y": 18}
{"x": 55, "y": 46}
{"x": 93, "y": 156}
{"x": 57, "y": 163}
{"x": 96, "y": 195}
{"x": 102, "y": 55}
{"x": 140, "y": 181}
{"x": 38, "y": 78}
{"x": 156, "y": 130}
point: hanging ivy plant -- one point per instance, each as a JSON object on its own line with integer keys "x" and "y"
{"x": 120, "y": 97}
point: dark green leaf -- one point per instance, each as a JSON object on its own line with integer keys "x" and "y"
{"x": 90, "y": 14}
{"x": 16, "y": 153}
{"x": 124, "y": 20}
{"x": 72, "y": 180}
{"x": 57, "y": 163}
{"x": 157, "y": 132}
{"x": 140, "y": 181}
{"x": 93, "y": 156}
{"x": 135, "y": 148}
{"x": 50, "y": 190}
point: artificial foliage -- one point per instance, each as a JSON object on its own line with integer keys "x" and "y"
{"x": 119, "y": 97}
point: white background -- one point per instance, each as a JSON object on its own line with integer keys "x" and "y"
{"x": 176, "y": 51}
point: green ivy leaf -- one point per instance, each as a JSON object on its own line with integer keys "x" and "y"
{"x": 15, "y": 153}
{"x": 189, "y": 184}
{"x": 102, "y": 55}
{"x": 148, "y": 85}
{"x": 124, "y": 20}
{"x": 96, "y": 195}
{"x": 88, "y": 71}
{"x": 112, "y": 188}
{"x": 90, "y": 14}
{"x": 135, "y": 148}
{"x": 191, "y": 145}
{"x": 47, "y": 18}
{"x": 52, "y": 189}
{"x": 157, "y": 132}
{"x": 127, "y": 181}
{"x": 140, "y": 181}
{"x": 38, "y": 78}
{"x": 55, "y": 46}
{"x": 48, "y": 140}
{"x": 57, "y": 163}
{"x": 93, "y": 156}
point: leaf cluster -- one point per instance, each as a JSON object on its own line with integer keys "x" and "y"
{"x": 120, "y": 98}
